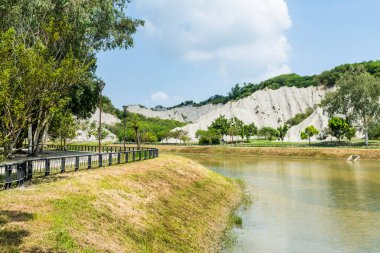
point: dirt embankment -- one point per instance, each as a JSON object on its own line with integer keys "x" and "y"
{"x": 168, "y": 204}
{"x": 321, "y": 153}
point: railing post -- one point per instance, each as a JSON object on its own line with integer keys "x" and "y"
{"x": 30, "y": 170}
{"x": 126, "y": 157}
{"x": 47, "y": 167}
{"x": 21, "y": 169}
{"x": 63, "y": 165}
{"x": 8, "y": 176}
{"x": 100, "y": 160}
{"x": 133, "y": 155}
{"x": 109, "y": 159}
{"x": 76, "y": 163}
{"x": 118, "y": 157}
{"x": 139, "y": 155}
{"x": 89, "y": 161}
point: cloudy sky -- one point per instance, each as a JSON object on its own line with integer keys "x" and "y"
{"x": 193, "y": 49}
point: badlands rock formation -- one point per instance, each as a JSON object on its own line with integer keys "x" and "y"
{"x": 265, "y": 108}
{"x": 318, "y": 119}
{"x": 181, "y": 114}
{"x": 109, "y": 119}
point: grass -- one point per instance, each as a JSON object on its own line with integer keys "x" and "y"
{"x": 293, "y": 152}
{"x": 169, "y": 204}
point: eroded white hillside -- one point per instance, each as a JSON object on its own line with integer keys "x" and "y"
{"x": 318, "y": 119}
{"x": 107, "y": 118}
{"x": 264, "y": 108}
{"x": 85, "y": 135}
{"x": 182, "y": 114}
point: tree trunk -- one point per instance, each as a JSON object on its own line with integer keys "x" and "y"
{"x": 8, "y": 150}
{"x": 30, "y": 139}
{"x": 366, "y": 138}
{"x": 309, "y": 141}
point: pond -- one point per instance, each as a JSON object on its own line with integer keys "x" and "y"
{"x": 306, "y": 205}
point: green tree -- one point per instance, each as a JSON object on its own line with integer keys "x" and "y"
{"x": 60, "y": 31}
{"x": 282, "y": 131}
{"x": 350, "y": 133}
{"x": 309, "y": 132}
{"x": 235, "y": 128}
{"x": 135, "y": 124}
{"x": 338, "y": 127}
{"x": 33, "y": 86}
{"x": 208, "y": 137}
{"x": 269, "y": 133}
{"x": 63, "y": 127}
{"x": 374, "y": 131}
{"x": 249, "y": 130}
{"x": 357, "y": 97}
{"x": 221, "y": 125}
{"x": 93, "y": 130}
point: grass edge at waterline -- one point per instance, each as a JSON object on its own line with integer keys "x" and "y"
{"x": 293, "y": 153}
{"x": 167, "y": 204}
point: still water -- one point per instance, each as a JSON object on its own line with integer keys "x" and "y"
{"x": 306, "y": 205}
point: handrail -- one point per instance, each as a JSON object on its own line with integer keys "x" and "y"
{"x": 17, "y": 173}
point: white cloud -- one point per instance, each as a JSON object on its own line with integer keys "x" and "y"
{"x": 159, "y": 97}
{"x": 162, "y": 98}
{"x": 244, "y": 39}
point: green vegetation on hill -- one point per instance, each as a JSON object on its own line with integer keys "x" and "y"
{"x": 152, "y": 129}
{"x": 326, "y": 78}
{"x": 299, "y": 117}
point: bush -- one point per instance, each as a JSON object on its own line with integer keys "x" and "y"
{"x": 374, "y": 132}
{"x": 298, "y": 118}
{"x": 206, "y": 140}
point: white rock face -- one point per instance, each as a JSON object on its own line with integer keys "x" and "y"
{"x": 264, "y": 108}
{"x": 317, "y": 119}
{"x": 107, "y": 118}
{"x": 181, "y": 114}
{"x": 83, "y": 136}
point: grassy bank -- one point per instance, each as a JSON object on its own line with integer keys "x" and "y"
{"x": 322, "y": 153}
{"x": 169, "y": 204}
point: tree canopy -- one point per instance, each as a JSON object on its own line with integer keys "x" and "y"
{"x": 309, "y": 132}
{"x": 49, "y": 60}
{"x": 357, "y": 97}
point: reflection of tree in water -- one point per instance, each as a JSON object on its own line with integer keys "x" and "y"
{"x": 11, "y": 233}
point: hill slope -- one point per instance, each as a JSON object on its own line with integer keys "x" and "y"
{"x": 270, "y": 103}
{"x": 264, "y": 107}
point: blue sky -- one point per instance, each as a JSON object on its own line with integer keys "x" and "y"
{"x": 192, "y": 49}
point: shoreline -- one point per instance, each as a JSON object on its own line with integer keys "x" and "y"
{"x": 166, "y": 204}
{"x": 280, "y": 152}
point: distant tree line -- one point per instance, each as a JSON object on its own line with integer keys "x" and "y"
{"x": 327, "y": 78}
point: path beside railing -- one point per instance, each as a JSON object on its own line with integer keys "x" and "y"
{"x": 16, "y": 174}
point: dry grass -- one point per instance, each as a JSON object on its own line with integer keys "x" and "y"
{"x": 324, "y": 153}
{"x": 169, "y": 204}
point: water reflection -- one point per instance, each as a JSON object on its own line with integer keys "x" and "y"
{"x": 306, "y": 205}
